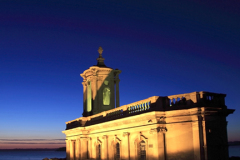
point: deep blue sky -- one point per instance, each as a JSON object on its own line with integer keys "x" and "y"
{"x": 163, "y": 48}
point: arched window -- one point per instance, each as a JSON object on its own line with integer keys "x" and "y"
{"x": 117, "y": 151}
{"x": 142, "y": 150}
{"x": 106, "y": 96}
{"x": 89, "y": 97}
{"x": 98, "y": 151}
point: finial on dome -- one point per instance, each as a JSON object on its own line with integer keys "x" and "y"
{"x": 100, "y": 59}
{"x": 100, "y": 50}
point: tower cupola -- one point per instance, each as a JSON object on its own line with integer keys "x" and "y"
{"x": 100, "y": 87}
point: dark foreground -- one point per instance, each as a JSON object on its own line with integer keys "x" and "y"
{"x": 234, "y": 158}
{"x": 231, "y": 158}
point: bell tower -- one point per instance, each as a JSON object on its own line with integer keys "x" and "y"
{"x": 100, "y": 87}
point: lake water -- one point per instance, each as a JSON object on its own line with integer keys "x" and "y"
{"x": 234, "y": 151}
{"x": 40, "y": 154}
{"x": 30, "y": 154}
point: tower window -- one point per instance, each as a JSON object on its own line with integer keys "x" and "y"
{"x": 106, "y": 96}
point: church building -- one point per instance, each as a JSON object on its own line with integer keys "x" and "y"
{"x": 189, "y": 126}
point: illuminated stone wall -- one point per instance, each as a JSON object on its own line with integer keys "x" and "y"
{"x": 153, "y": 128}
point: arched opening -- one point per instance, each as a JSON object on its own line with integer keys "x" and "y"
{"x": 106, "y": 96}
{"x": 142, "y": 150}
{"x": 89, "y": 97}
{"x": 117, "y": 151}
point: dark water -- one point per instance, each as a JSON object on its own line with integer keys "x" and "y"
{"x": 30, "y": 154}
{"x": 40, "y": 154}
{"x": 234, "y": 151}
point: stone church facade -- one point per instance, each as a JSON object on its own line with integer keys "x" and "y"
{"x": 190, "y": 126}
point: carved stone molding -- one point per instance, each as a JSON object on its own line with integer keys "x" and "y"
{"x": 126, "y": 134}
{"x": 94, "y": 71}
{"x": 84, "y": 83}
{"x": 158, "y": 129}
{"x": 89, "y": 138}
{"x": 142, "y": 137}
{"x": 104, "y": 137}
{"x": 161, "y": 120}
{"x": 99, "y": 141}
{"x": 83, "y": 138}
{"x": 117, "y": 139}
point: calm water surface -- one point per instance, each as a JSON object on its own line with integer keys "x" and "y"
{"x": 39, "y": 155}
{"x": 30, "y": 154}
{"x": 234, "y": 151}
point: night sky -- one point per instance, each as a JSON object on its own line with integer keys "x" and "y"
{"x": 162, "y": 47}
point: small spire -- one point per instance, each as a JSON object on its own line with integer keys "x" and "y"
{"x": 100, "y": 50}
{"x": 100, "y": 59}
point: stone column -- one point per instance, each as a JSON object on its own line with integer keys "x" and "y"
{"x": 196, "y": 140}
{"x": 68, "y": 149}
{"x": 105, "y": 147}
{"x": 84, "y": 96}
{"x": 94, "y": 93}
{"x": 72, "y": 150}
{"x": 89, "y": 147}
{"x": 157, "y": 148}
{"x": 117, "y": 80}
{"x": 78, "y": 149}
{"x": 203, "y": 139}
{"x": 133, "y": 147}
{"x": 110, "y": 147}
{"x": 125, "y": 146}
{"x": 163, "y": 137}
{"x": 84, "y": 149}
{"x": 100, "y": 93}
{"x": 112, "y": 91}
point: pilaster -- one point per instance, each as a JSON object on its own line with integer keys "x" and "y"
{"x": 78, "y": 149}
{"x": 90, "y": 149}
{"x": 84, "y": 96}
{"x": 94, "y": 92}
{"x": 126, "y": 146}
{"x": 67, "y": 149}
{"x": 111, "y": 148}
{"x": 72, "y": 150}
{"x": 84, "y": 149}
{"x": 196, "y": 140}
{"x": 158, "y": 148}
{"x": 105, "y": 147}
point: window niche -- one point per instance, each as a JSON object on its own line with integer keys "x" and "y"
{"x": 106, "y": 94}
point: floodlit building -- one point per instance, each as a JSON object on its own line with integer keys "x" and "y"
{"x": 189, "y": 126}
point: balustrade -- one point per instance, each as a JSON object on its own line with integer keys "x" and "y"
{"x": 173, "y": 102}
{"x": 143, "y": 106}
{"x": 197, "y": 98}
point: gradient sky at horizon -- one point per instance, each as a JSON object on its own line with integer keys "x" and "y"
{"x": 162, "y": 48}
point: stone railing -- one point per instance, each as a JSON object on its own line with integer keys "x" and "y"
{"x": 197, "y": 99}
{"x": 155, "y": 103}
{"x": 116, "y": 113}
